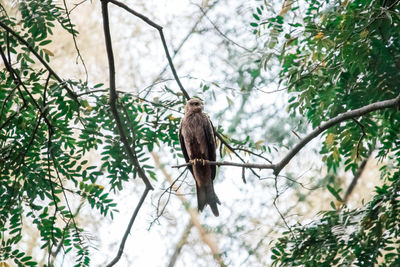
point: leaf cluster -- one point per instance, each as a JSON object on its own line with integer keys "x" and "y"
{"x": 361, "y": 237}
{"x": 340, "y": 56}
{"x": 48, "y": 136}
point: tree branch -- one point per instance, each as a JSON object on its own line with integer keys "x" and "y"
{"x": 356, "y": 177}
{"x": 114, "y": 97}
{"x": 74, "y": 40}
{"x": 164, "y": 43}
{"x": 18, "y": 81}
{"x": 44, "y": 63}
{"x": 324, "y": 126}
{"x": 336, "y": 120}
{"x": 120, "y": 127}
{"x": 180, "y": 244}
{"x": 191, "y": 31}
{"x": 228, "y": 163}
{"x": 128, "y": 229}
{"x": 220, "y": 32}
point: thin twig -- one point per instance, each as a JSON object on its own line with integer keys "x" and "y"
{"x": 158, "y": 80}
{"x": 296, "y": 182}
{"x": 67, "y": 227}
{"x": 220, "y": 32}
{"x": 33, "y": 136}
{"x": 53, "y": 195}
{"x": 244, "y": 176}
{"x": 75, "y": 225}
{"x": 276, "y": 206}
{"x": 253, "y": 153}
{"x": 194, "y": 217}
{"x": 217, "y": 134}
{"x": 296, "y": 134}
{"x": 74, "y": 39}
{"x": 361, "y": 137}
{"x": 18, "y": 81}
{"x": 176, "y": 50}
{"x": 128, "y": 229}
{"x": 168, "y": 190}
{"x": 76, "y": 5}
{"x": 6, "y": 101}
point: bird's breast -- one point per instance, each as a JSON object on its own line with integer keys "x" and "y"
{"x": 194, "y": 136}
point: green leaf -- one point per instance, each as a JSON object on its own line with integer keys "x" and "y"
{"x": 335, "y": 193}
{"x": 98, "y": 85}
{"x": 43, "y": 43}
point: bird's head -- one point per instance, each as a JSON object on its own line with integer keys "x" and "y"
{"x": 194, "y": 106}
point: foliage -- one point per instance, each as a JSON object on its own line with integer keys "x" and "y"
{"x": 360, "y": 237}
{"x": 48, "y": 127}
{"x": 342, "y": 55}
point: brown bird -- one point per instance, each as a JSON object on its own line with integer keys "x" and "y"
{"x": 197, "y": 138}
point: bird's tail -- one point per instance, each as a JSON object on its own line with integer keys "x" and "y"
{"x": 206, "y": 195}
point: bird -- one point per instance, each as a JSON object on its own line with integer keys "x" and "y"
{"x": 197, "y": 140}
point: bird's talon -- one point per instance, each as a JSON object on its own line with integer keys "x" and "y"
{"x": 204, "y": 162}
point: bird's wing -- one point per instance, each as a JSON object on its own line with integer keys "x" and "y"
{"x": 210, "y": 137}
{"x": 183, "y": 147}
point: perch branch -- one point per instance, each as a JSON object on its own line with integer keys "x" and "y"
{"x": 317, "y": 131}
{"x": 228, "y": 163}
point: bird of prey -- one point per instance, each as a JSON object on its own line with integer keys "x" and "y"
{"x": 197, "y": 138}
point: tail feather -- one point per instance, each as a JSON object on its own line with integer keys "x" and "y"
{"x": 206, "y": 195}
{"x": 201, "y": 197}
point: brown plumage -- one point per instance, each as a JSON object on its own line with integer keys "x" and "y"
{"x": 197, "y": 139}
